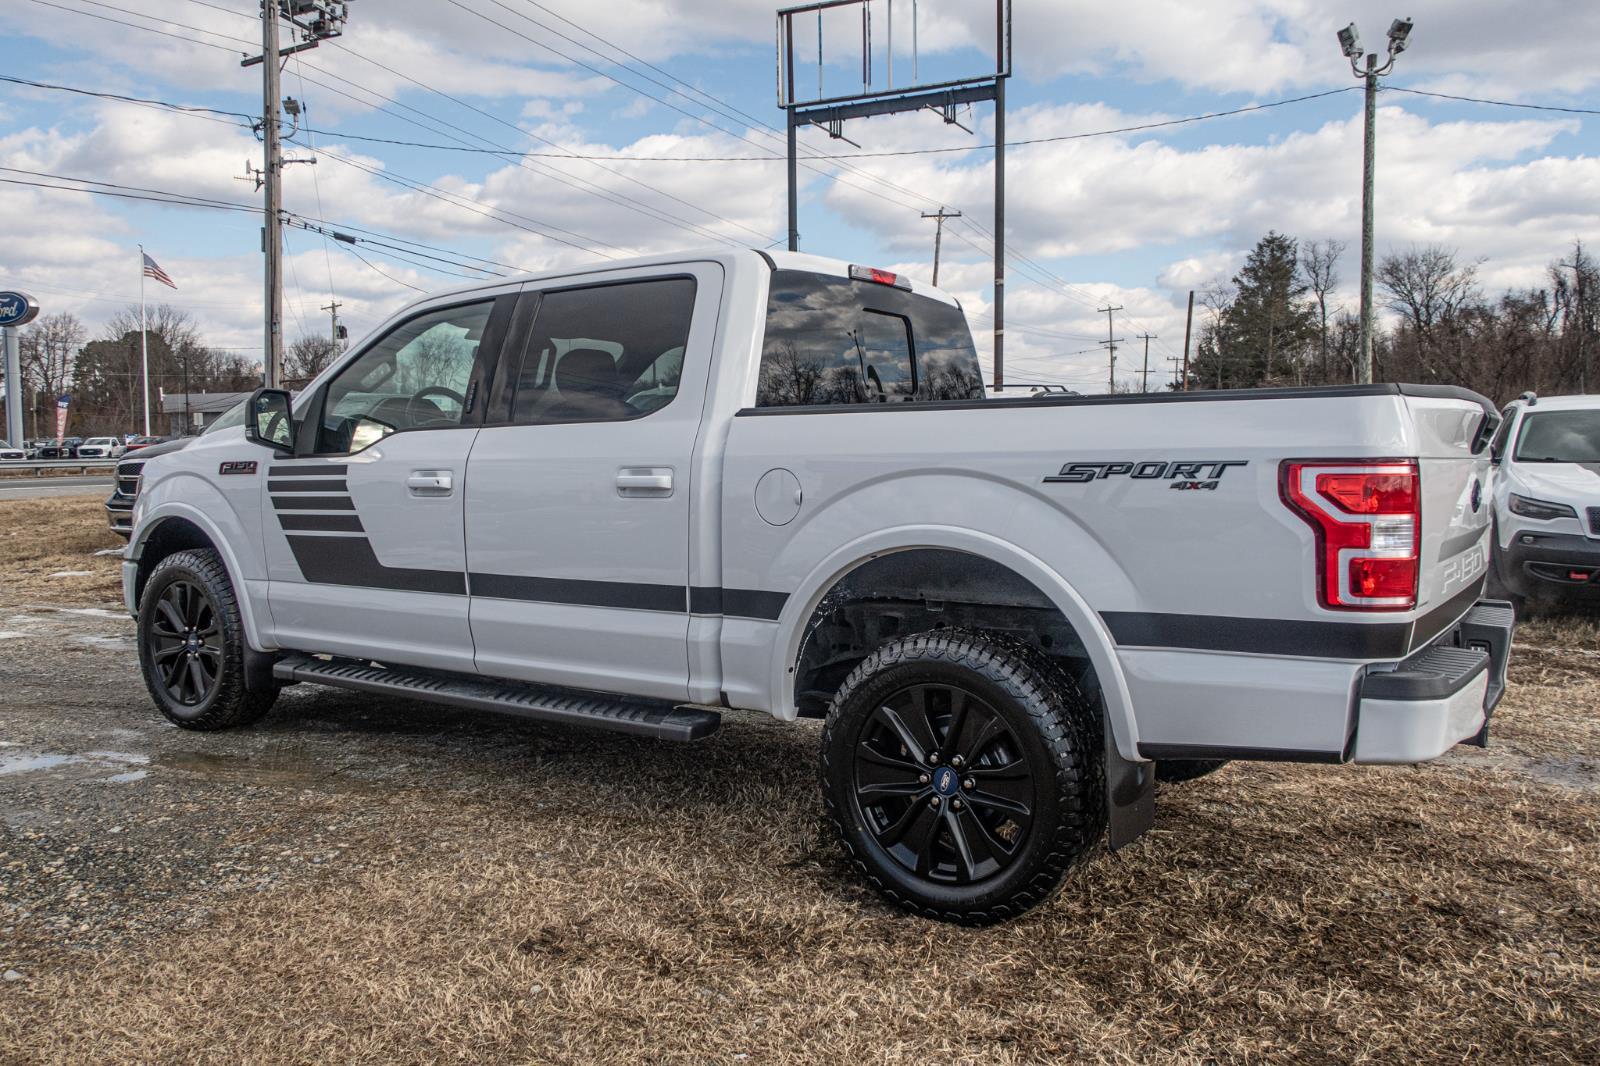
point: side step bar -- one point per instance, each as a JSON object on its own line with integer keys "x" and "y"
{"x": 648, "y": 718}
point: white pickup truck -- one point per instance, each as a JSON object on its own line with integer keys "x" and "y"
{"x": 627, "y": 496}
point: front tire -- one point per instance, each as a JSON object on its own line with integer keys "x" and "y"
{"x": 192, "y": 645}
{"x": 963, "y": 775}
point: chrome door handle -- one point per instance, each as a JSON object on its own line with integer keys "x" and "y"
{"x": 636, "y": 481}
{"x": 429, "y": 483}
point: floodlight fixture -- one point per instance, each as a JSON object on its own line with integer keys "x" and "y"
{"x": 1399, "y": 30}
{"x": 1350, "y": 42}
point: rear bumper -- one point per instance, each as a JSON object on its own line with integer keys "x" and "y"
{"x": 1545, "y": 565}
{"x": 1440, "y": 696}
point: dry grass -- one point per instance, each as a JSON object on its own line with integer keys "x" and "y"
{"x": 42, "y": 537}
{"x": 609, "y": 900}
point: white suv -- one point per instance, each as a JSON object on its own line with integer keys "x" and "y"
{"x": 1547, "y": 498}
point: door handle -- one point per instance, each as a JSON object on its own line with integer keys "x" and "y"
{"x": 636, "y": 481}
{"x": 429, "y": 483}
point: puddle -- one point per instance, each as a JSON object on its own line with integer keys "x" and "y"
{"x": 34, "y": 761}
{"x": 11, "y": 634}
{"x": 73, "y": 573}
{"x": 113, "y": 643}
{"x": 87, "y": 612}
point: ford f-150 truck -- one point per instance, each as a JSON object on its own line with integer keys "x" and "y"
{"x": 629, "y": 496}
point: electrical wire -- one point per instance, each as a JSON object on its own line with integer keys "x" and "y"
{"x": 1491, "y": 103}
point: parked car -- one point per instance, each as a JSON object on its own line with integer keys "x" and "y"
{"x": 1012, "y": 613}
{"x": 125, "y": 487}
{"x": 71, "y": 446}
{"x": 139, "y": 443}
{"x": 1547, "y": 498}
{"x": 102, "y": 448}
{"x": 8, "y": 454}
{"x": 51, "y": 449}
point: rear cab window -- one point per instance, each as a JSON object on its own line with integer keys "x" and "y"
{"x": 833, "y": 340}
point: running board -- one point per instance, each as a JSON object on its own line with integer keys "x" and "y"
{"x": 648, "y": 718}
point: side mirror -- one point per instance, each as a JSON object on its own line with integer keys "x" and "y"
{"x": 268, "y": 421}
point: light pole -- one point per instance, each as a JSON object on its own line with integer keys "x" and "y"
{"x": 1350, "y": 44}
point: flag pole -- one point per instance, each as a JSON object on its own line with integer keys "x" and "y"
{"x": 144, "y": 347}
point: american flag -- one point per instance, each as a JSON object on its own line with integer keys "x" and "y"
{"x": 151, "y": 270}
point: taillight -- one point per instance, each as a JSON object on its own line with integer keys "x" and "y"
{"x": 879, "y": 277}
{"x": 1368, "y": 521}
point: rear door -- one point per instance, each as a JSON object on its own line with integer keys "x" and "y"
{"x": 578, "y": 509}
{"x": 364, "y": 538}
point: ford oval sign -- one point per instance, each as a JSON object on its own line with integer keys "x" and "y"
{"x": 17, "y": 309}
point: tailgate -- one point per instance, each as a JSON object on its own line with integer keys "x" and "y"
{"x": 1455, "y": 500}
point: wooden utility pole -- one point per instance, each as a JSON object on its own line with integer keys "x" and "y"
{"x": 938, "y": 235}
{"x": 1144, "y": 375}
{"x": 1188, "y": 323}
{"x": 1110, "y": 344}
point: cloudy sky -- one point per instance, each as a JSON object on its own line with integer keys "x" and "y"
{"x": 676, "y": 97}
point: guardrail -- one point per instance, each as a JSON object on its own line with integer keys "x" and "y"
{"x": 39, "y": 466}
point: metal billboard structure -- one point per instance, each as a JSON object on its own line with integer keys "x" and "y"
{"x": 851, "y": 24}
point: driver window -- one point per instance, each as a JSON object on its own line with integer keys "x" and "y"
{"x": 607, "y": 353}
{"x": 414, "y": 378}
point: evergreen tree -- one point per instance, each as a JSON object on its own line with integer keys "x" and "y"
{"x": 1262, "y": 337}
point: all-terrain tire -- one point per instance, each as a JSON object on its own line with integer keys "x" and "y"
{"x": 1172, "y": 771}
{"x": 227, "y": 702}
{"x": 1047, "y": 728}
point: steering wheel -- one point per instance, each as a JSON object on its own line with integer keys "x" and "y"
{"x": 438, "y": 416}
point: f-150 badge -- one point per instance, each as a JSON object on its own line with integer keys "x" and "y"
{"x": 1179, "y": 474}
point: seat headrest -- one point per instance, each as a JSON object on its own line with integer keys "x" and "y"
{"x": 588, "y": 370}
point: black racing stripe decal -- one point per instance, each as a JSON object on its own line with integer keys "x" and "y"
{"x": 308, "y": 470}
{"x": 753, "y": 603}
{"x": 313, "y": 503}
{"x": 1444, "y": 616}
{"x": 1159, "y": 752}
{"x": 315, "y": 484}
{"x": 350, "y": 561}
{"x": 705, "y": 599}
{"x": 324, "y": 523}
{"x": 626, "y": 594}
{"x": 1260, "y": 636}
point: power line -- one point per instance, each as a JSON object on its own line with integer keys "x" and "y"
{"x": 1492, "y": 103}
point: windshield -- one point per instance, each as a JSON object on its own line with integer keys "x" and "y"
{"x": 1560, "y": 437}
{"x": 234, "y": 417}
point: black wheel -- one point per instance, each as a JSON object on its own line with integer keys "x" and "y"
{"x": 1171, "y": 771}
{"x": 191, "y": 645}
{"x": 963, "y": 775}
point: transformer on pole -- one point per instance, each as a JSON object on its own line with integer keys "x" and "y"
{"x": 943, "y": 96}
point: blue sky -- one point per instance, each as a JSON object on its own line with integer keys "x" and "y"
{"x": 1134, "y": 219}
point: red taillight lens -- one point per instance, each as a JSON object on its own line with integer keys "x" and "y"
{"x": 1368, "y": 520}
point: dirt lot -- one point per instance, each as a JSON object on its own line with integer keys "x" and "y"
{"x": 357, "y": 880}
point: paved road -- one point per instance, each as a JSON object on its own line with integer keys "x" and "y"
{"x": 25, "y": 488}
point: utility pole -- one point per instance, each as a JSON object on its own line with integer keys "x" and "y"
{"x": 1144, "y": 375}
{"x": 1188, "y": 322}
{"x": 1350, "y": 44}
{"x": 1110, "y": 344}
{"x": 333, "y": 315}
{"x": 938, "y": 235}
{"x": 316, "y": 21}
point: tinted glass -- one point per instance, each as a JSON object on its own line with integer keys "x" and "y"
{"x": 605, "y": 354}
{"x": 828, "y": 337}
{"x": 1560, "y": 437}
{"x": 414, "y": 378}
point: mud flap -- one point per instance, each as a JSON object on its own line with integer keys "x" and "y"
{"x": 1130, "y": 794}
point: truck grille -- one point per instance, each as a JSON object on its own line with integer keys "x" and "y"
{"x": 1594, "y": 521}
{"x": 128, "y": 479}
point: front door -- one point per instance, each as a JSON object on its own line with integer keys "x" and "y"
{"x": 364, "y": 533}
{"x": 579, "y": 497}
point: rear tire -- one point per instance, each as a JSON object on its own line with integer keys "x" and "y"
{"x": 192, "y": 645}
{"x": 963, "y": 775}
{"x": 1172, "y": 771}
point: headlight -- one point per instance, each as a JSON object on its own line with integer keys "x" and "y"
{"x": 1545, "y": 512}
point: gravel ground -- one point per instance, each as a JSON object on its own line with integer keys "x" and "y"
{"x": 360, "y": 880}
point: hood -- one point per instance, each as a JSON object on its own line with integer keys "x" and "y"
{"x": 1572, "y": 483}
{"x": 141, "y": 454}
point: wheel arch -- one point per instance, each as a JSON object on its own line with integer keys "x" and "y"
{"x": 949, "y": 559}
{"x": 176, "y": 527}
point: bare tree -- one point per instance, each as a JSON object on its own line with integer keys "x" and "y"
{"x": 49, "y": 350}
{"x": 1319, "y": 262}
{"x": 309, "y": 356}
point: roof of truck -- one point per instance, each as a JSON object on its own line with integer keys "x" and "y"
{"x": 1561, "y": 403}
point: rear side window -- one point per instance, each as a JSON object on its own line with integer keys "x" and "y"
{"x": 831, "y": 340}
{"x": 606, "y": 353}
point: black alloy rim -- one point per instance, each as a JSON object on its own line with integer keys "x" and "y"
{"x": 942, "y": 784}
{"x": 187, "y": 643}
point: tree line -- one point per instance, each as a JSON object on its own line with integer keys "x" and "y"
{"x": 1278, "y": 322}
{"x": 103, "y": 376}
